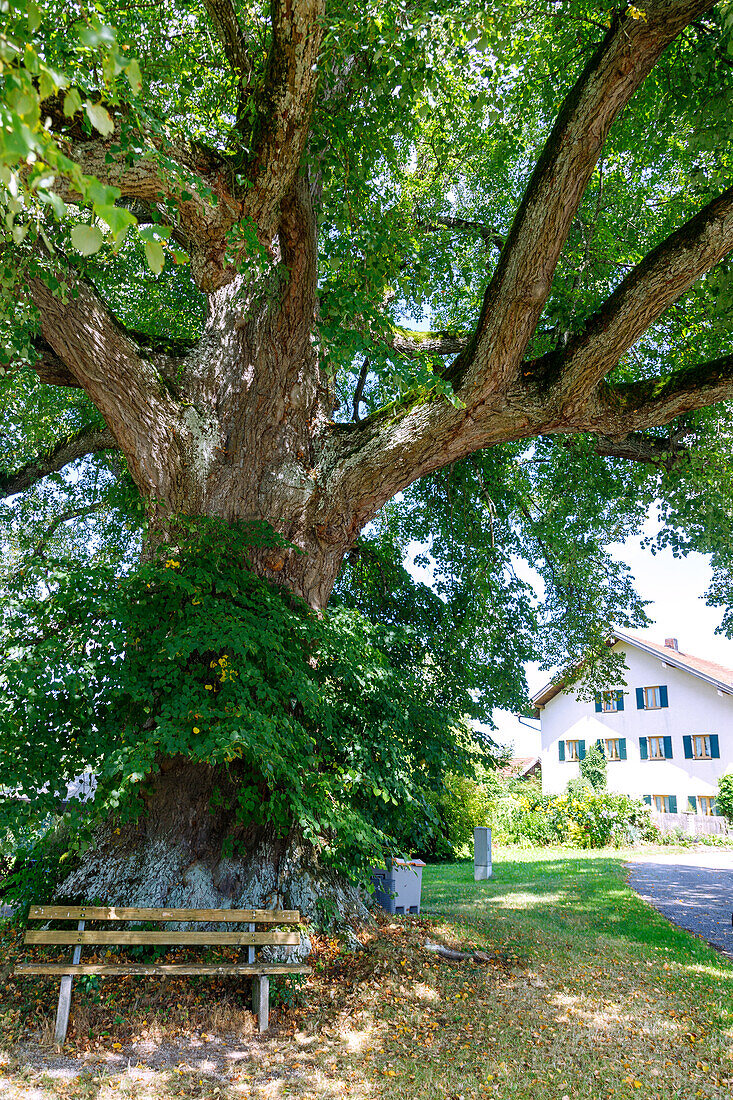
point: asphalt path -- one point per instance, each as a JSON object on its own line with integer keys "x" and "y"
{"x": 692, "y": 889}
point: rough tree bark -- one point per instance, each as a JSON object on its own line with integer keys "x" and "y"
{"x": 240, "y": 426}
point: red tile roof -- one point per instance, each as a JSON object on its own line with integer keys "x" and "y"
{"x": 683, "y": 660}
{"x": 518, "y": 766}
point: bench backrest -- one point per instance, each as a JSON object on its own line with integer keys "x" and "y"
{"x": 97, "y": 937}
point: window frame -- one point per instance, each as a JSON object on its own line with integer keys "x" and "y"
{"x": 609, "y": 702}
{"x": 612, "y": 755}
{"x": 660, "y": 741}
{"x": 705, "y": 737}
{"x": 664, "y": 799}
{"x": 706, "y": 805}
{"x": 573, "y": 754}
{"x": 653, "y": 706}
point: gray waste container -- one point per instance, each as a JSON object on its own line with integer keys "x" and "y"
{"x": 397, "y": 887}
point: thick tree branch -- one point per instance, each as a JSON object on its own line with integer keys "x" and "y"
{"x": 229, "y": 32}
{"x": 359, "y": 391}
{"x": 495, "y": 400}
{"x": 284, "y": 107}
{"x": 51, "y": 370}
{"x": 654, "y": 450}
{"x": 521, "y": 283}
{"x": 433, "y": 343}
{"x": 86, "y": 441}
{"x": 635, "y": 406}
{"x": 641, "y": 298}
{"x": 124, "y": 383}
{"x": 151, "y": 170}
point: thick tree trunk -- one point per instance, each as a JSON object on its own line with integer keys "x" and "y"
{"x": 184, "y": 852}
{"x": 241, "y": 449}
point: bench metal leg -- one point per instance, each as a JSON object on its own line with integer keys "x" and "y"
{"x": 62, "y": 1013}
{"x": 261, "y": 1000}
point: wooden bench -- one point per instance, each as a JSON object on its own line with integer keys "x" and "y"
{"x": 82, "y": 936}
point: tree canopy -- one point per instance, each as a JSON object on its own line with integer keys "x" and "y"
{"x": 379, "y": 275}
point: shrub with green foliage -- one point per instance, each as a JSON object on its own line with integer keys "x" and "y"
{"x": 593, "y": 767}
{"x": 192, "y": 654}
{"x": 724, "y": 799}
{"x": 582, "y": 817}
{"x": 595, "y": 819}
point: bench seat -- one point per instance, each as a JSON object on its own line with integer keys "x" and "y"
{"x": 81, "y": 936}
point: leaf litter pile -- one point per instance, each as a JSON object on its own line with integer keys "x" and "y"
{"x": 535, "y": 1016}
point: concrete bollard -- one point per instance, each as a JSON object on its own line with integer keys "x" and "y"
{"x": 482, "y": 853}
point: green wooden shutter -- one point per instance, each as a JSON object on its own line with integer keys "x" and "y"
{"x": 714, "y": 746}
{"x": 581, "y": 750}
{"x": 668, "y": 750}
{"x": 643, "y": 748}
{"x": 687, "y": 744}
{"x": 663, "y": 698}
{"x": 672, "y": 803}
{"x": 599, "y": 745}
{"x": 619, "y": 700}
{"x": 692, "y": 803}
{"x": 561, "y": 749}
{"x": 648, "y": 799}
{"x": 599, "y": 704}
{"x": 640, "y": 698}
{"x": 622, "y": 748}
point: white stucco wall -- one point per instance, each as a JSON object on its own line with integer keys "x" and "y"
{"x": 694, "y": 707}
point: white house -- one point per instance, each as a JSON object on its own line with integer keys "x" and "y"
{"x": 667, "y": 735}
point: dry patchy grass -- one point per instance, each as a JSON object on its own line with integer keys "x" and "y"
{"x": 588, "y": 994}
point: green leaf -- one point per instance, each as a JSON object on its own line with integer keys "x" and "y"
{"x": 117, "y": 218}
{"x": 155, "y": 256}
{"x": 134, "y": 77}
{"x": 72, "y": 102}
{"x": 99, "y": 117}
{"x": 86, "y": 239}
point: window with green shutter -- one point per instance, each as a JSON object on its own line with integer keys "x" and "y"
{"x": 701, "y": 746}
{"x": 652, "y": 698}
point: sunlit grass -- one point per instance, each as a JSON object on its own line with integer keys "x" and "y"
{"x": 588, "y": 994}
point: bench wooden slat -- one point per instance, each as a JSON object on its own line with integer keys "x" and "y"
{"x": 172, "y": 969}
{"x": 113, "y": 912}
{"x": 43, "y": 935}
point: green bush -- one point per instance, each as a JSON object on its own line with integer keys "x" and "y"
{"x": 593, "y": 768}
{"x": 724, "y": 799}
{"x": 440, "y": 825}
{"x": 518, "y": 814}
{"x": 595, "y": 819}
{"x": 582, "y": 817}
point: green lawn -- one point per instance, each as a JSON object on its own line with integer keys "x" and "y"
{"x": 588, "y": 994}
{"x": 607, "y": 997}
